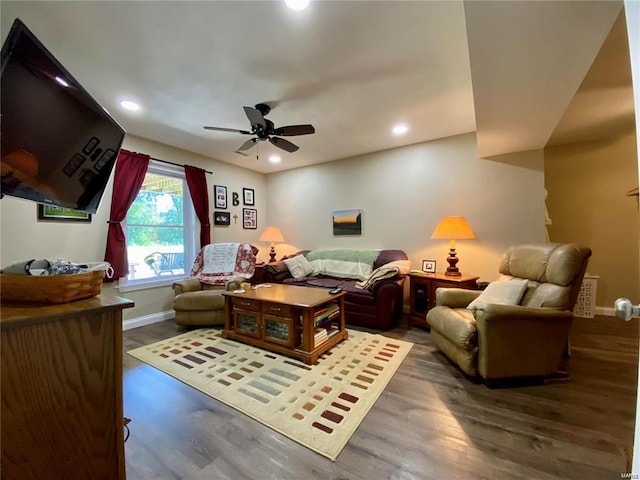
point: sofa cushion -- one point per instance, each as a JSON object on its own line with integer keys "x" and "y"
{"x": 506, "y": 292}
{"x": 299, "y": 266}
{"x": 354, "y": 294}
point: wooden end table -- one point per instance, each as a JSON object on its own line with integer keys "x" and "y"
{"x": 281, "y": 318}
{"x": 422, "y": 292}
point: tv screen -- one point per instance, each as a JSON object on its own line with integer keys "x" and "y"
{"x": 58, "y": 145}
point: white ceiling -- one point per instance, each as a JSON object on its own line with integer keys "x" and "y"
{"x": 351, "y": 68}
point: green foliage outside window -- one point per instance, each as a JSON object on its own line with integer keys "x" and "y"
{"x": 151, "y": 210}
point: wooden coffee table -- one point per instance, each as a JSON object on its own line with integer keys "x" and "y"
{"x": 282, "y": 318}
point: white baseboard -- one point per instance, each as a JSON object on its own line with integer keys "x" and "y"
{"x": 147, "y": 319}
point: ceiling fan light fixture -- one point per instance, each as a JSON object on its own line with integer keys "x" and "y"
{"x": 297, "y": 5}
{"x": 275, "y": 159}
{"x": 400, "y": 129}
{"x": 130, "y": 105}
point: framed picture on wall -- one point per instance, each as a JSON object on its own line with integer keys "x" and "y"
{"x": 347, "y": 222}
{"x": 220, "y": 192}
{"x": 91, "y": 144}
{"x": 248, "y": 196}
{"x": 221, "y": 218}
{"x": 52, "y": 213}
{"x": 249, "y": 218}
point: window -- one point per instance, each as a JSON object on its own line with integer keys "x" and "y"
{"x": 160, "y": 228}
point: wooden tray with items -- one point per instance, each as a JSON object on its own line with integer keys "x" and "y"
{"x": 50, "y": 288}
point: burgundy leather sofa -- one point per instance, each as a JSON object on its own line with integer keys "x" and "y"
{"x": 378, "y": 307}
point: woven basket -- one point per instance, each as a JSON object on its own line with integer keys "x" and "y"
{"x": 50, "y": 288}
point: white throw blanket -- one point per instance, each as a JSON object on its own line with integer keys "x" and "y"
{"x": 217, "y": 263}
{"x": 388, "y": 270}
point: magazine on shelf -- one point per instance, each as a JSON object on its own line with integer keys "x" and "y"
{"x": 328, "y": 313}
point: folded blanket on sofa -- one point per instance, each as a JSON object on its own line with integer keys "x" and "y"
{"x": 217, "y": 263}
{"x": 356, "y": 264}
{"x": 388, "y": 270}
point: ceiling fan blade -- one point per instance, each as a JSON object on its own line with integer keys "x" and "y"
{"x": 284, "y": 144}
{"x": 248, "y": 144}
{"x": 291, "y": 130}
{"x": 241, "y": 153}
{"x": 255, "y": 117}
{"x": 232, "y": 130}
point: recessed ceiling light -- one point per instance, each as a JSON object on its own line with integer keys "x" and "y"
{"x": 62, "y": 81}
{"x": 130, "y": 105}
{"x": 297, "y": 5}
{"x": 275, "y": 159}
{"x": 400, "y": 129}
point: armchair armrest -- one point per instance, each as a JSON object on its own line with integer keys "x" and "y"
{"x": 235, "y": 283}
{"x": 186, "y": 285}
{"x": 516, "y": 341}
{"x": 455, "y": 297}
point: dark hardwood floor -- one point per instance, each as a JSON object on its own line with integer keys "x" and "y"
{"x": 431, "y": 422}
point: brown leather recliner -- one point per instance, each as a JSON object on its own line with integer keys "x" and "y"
{"x": 524, "y": 340}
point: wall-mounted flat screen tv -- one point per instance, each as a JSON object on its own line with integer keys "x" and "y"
{"x": 58, "y": 145}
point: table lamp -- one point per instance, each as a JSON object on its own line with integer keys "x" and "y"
{"x": 453, "y": 228}
{"x": 273, "y": 235}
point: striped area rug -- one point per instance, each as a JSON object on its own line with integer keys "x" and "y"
{"x": 318, "y": 406}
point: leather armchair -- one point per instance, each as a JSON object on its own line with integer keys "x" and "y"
{"x": 507, "y": 341}
{"x": 197, "y": 303}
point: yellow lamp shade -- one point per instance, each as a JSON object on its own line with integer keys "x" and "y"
{"x": 271, "y": 234}
{"x": 453, "y": 228}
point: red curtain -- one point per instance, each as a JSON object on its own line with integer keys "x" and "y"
{"x": 129, "y": 175}
{"x": 197, "y": 183}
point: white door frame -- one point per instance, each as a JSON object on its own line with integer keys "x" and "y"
{"x": 632, "y": 13}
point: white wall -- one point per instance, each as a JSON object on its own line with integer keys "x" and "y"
{"x": 23, "y": 237}
{"x": 404, "y": 192}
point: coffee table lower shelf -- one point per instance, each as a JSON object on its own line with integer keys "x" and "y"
{"x": 309, "y": 358}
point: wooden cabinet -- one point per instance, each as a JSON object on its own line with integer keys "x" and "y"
{"x": 422, "y": 292}
{"x": 61, "y": 382}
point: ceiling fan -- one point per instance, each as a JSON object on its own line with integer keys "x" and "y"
{"x": 264, "y": 129}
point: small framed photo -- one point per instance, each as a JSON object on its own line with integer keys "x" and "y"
{"x": 104, "y": 159}
{"x": 248, "y": 196}
{"x": 91, "y": 144}
{"x": 429, "y": 266}
{"x": 221, "y": 218}
{"x": 86, "y": 177}
{"x": 73, "y": 164}
{"x": 53, "y": 213}
{"x": 249, "y": 218}
{"x": 221, "y": 196}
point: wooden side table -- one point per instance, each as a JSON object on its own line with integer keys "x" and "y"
{"x": 422, "y": 292}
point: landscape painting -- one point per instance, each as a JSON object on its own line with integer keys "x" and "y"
{"x": 347, "y": 222}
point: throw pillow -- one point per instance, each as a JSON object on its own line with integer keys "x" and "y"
{"x": 299, "y": 266}
{"x": 507, "y": 292}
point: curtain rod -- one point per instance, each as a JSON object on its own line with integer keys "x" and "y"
{"x": 178, "y": 165}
